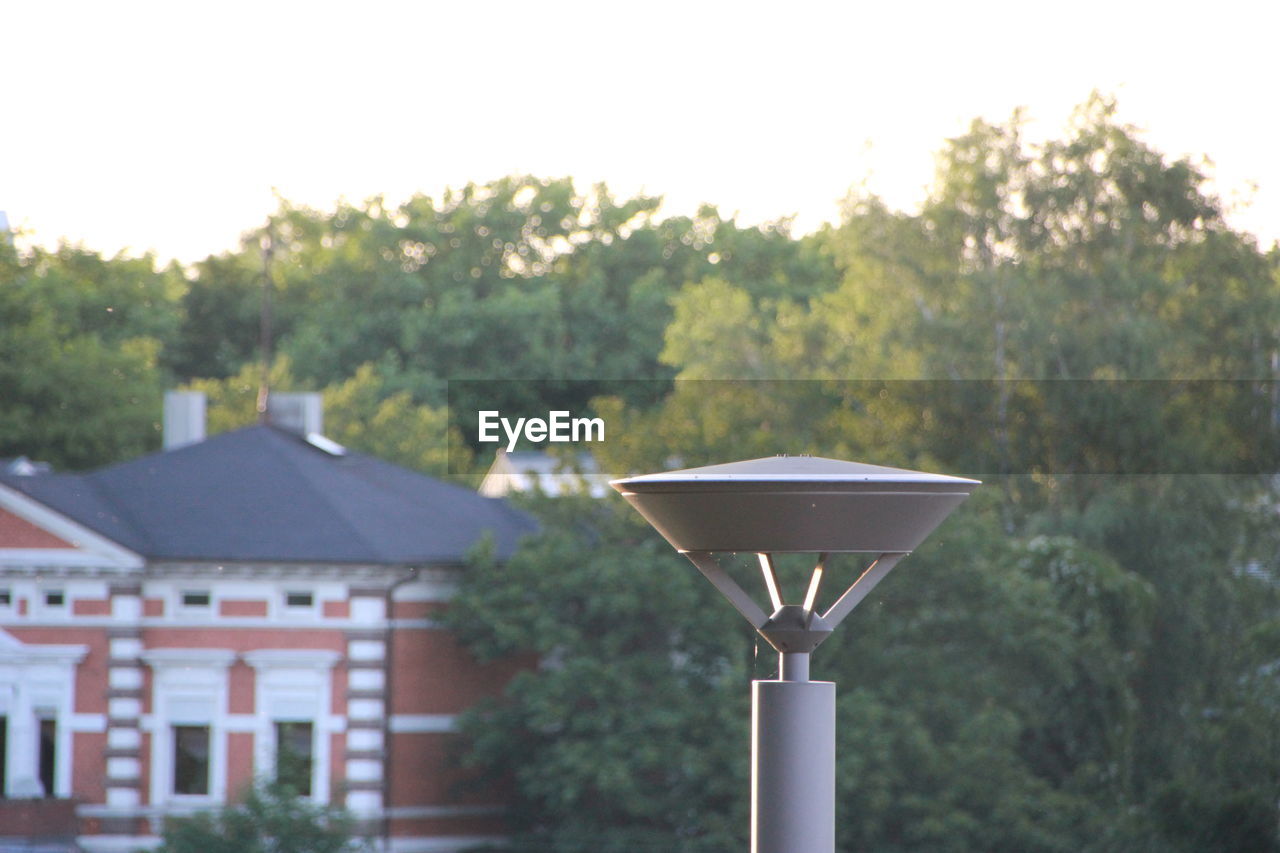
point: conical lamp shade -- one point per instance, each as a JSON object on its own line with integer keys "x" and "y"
{"x": 795, "y": 503}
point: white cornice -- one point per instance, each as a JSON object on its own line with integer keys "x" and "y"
{"x": 205, "y": 658}
{"x": 292, "y": 658}
{"x": 15, "y": 652}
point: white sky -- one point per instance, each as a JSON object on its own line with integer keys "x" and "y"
{"x": 166, "y": 126}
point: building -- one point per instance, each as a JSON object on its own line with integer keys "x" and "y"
{"x": 262, "y": 602}
{"x": 529, "y": 470}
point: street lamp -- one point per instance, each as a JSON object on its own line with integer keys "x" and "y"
{"x": 789, "y": 504}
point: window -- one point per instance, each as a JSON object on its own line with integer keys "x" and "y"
{"x": 298, "y": 599}
{"x": 294, "y": 756}
{"x": 191, "y": 760}
{"x": 6, "y": 597}
{"x": 55, "y": 598}
{"x": 196, "y": 598}
{"x": 48, "y": 753}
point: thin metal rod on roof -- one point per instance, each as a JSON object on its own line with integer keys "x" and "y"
{"x": 264, "y": 324}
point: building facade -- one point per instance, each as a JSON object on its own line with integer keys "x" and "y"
{"x": 262, "y": 604}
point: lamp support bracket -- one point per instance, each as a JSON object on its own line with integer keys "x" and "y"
{"x": 861, "y": 588}
{"x": 793, "y": 628}
{"x": 728, "y": 587}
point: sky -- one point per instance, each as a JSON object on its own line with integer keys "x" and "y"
{"x": 174, "y": 127}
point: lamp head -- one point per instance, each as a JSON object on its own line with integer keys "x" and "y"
{"x": 795, "y": 503}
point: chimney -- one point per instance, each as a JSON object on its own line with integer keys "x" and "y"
{"x": 183, "y": 418}
{"x": 301, "y": 412}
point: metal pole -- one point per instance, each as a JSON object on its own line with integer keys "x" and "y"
{"x": 793, "y": 667}
{"x": 793, "y": 763}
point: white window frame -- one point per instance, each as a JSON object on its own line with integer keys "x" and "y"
{"x": 293, "y": 685}
{"x": 189, "y": 688}
{"x": 44, "y": 608}
{"x": 37, "y": 681}
{"x": 181, "y": 607}
{"x": 294, "y": 611}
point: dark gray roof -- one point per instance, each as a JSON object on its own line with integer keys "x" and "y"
{"x": 266, "y": 494}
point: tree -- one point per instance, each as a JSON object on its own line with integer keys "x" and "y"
{"x": 78, "y": 357}
{"x": 627, "y": 735}
{"x": 521, "y": 278}
{"x": 270, "y": 819}
{"x": 985, "y": 696}
{"x": 365, "y": 413}
{"x": 1077, "y": 661}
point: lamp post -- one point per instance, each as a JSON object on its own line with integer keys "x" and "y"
{"x": 789, "y": 504}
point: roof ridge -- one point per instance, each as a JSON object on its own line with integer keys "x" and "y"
{"x": 300, "y": 443}
{"x": 123, "y": 515}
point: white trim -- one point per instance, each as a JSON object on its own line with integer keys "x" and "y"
{"x": 181, "y": 657}
{"x": 14, "y": 652}
{"x": 419, "y": 723}
{"x": 292, "y": 658}
{"x": 95, "y": 723}
{"x": 249, "y": 723}
{"x": 88, "y": 548}
{"x": 187, "y": 613}
{"x": 277, "y": 598}
{"x": 117, "y": 843}
{"x": 431, "y": 585}
{"x": 394, "y": 812}
{"x": 185, "y": 621}
{"x": 294, "y": 685}
{"x": 187, "y": 678}
{"x": 443, "y": 843}
{"x": 36, "y": 681}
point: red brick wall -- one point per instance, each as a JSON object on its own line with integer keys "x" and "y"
{"x": 90, "y": 607}
{"x": 88, "y": 766}
{"x": 17, "y": 532}
{"x": 338, "y": 689}
{"x": 38, "y": 818}
{"x": 240, "y": 688}
{"x": 239, "y": 763}
{"x": 434, "y": 675}
{"x": 241, "y": 607}
{"x": 425, "y": 770}
{"x": 417, "y": 609}
{"x": 337, "y": 766}
{"x": 245, "y": 639}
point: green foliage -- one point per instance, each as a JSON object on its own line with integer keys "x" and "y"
{"x": 363, "y": 413}
{"x": 271, "y": 819}
{"x": 220, "y": 317}
{"x": 1079, "y": 660}
{"x": 78, "y": 355}
{"x": 627, "y": 736}
{"x": 982, "y": 707}
{"x": 1084, "y": 658}
{"x": 519, "y": 278}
